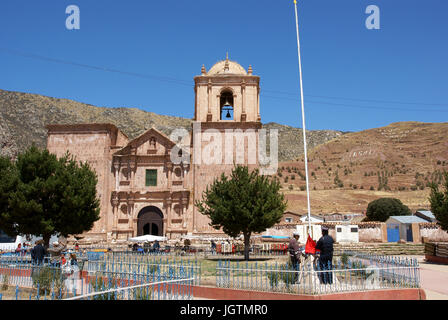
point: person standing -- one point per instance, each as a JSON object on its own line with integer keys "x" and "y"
{"x": 213, "y": 247}
{"x": 25, "y": 249}
{"x": 63, "y": 260}
{"x": 55, "y": 253}
{"x": 295, "y": 251}
{"x": 38, "y": 252}
{"x": 156, "y": 246}
{"x": 19, "y": 249}
{"x": 325, "y": 245}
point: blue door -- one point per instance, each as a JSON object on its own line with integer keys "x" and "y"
{"x": 393, "y": 233}
{"x": 409, "y": 233}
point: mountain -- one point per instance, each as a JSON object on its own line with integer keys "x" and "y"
{"x": 346, "y": 173}
{"x": 23, "y": 117}
{"x": 346, "y": 170}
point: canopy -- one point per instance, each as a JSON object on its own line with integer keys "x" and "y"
{"x": 147, "y": 238}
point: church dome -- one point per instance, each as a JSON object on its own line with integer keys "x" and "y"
{"x": 226, "y": 67}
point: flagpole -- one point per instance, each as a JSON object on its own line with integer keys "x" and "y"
{"x": 303, "y": 121}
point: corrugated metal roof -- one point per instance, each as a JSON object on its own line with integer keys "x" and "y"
{"x": 407, "y": 219}
{"x": 429, "y": 214}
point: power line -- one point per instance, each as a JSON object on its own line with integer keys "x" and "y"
{"x": 140, "y": 75}
{"x": 355, "y": 99}
{"x": 355, "y": 106}
{"x": 189, "y": 84}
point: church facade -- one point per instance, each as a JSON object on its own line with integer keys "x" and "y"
{"x": 148, "y": 185}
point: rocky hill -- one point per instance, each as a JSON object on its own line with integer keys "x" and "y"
{"x": 347, "y": 170}
{"x": 399, "y": 160}
{"x": 23, "y": 118}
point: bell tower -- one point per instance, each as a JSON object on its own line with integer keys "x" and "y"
{"x": 225, "y": 128}
{"x": 227, "y": 93}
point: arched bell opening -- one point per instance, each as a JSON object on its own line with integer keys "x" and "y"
{"x": 226, "y": 105}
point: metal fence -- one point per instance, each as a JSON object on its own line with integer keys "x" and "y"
{"x": 146, "y": 265}
{"x": 105, "y": 278}
{"x": 356, "y": 273}
{"x": 109, "y": 288}
{"x": 196, "y": 251}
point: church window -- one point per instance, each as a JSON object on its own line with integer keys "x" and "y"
{"x": 151, "y": 178}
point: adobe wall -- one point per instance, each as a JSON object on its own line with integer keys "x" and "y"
{"x": 89, "y": 144}
{"x": 371, "y": 232}
{"x": 433, "y": 232}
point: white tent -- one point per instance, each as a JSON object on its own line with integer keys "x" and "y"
{"x": 147, "y": 238}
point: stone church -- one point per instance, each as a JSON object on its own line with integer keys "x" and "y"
{"x": 141, "y": 189}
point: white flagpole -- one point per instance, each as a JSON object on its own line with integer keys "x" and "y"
{"x": 303, "y": 121}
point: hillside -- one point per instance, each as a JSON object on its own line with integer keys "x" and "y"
{"x": 347, "y": 170}
{"x": 23, "y": 118}
{"x": 346, "y": 173}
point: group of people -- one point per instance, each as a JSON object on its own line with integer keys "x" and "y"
{"x": 147, "y": 247}
{"x": 323, "y": 254}
{"x": 22, "y": 250}
{"x": 56, "y": 254}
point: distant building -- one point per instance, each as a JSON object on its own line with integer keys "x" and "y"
{"x": 400, "y": 227}
{"x": 340, "y": 217}
{"x": 291, "y": 217}
{"x": 314, "y": 218}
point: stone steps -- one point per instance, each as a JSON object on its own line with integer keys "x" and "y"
{"x": 382, "y": 248}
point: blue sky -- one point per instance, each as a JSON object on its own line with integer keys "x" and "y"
{"x": 354, "y": 78}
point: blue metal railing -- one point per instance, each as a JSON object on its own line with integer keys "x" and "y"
{"x": 175, "y": 277}
{"x": 359, "y": 272}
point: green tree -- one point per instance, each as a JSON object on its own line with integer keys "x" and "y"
{"x": 51, "y": 196}
{"x": 8, "y": 183}
{"x": 381, "y": 209}
{"x": 439, "y": 203}
{"x": 243, "y": 203}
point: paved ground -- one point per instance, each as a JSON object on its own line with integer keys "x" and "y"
{"x": 433, "y": 279}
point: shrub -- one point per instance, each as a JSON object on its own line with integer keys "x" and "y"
{"x": 48, "y": 279}
{"x": 381, "y": 209}
{"x": 5, "y": 282}
{"x": 100, "y": 284}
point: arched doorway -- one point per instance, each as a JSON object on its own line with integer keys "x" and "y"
{"x": 150, "y": 221}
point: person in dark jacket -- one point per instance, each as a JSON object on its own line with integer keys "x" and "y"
{"x": 295, "y": 251}
{"x": 38, "y": 252}
{"x": 156, "y": 246}
{"x": 325, "y": 245}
